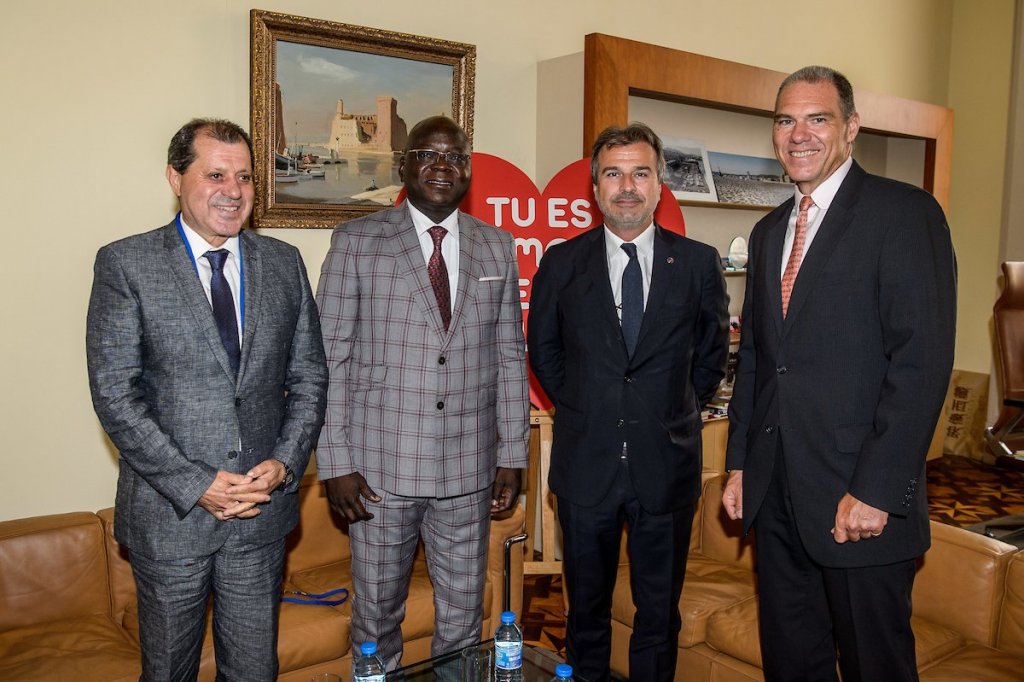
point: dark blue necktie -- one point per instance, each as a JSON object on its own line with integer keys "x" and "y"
{"x": 632, "y": 299}
{"x": 224, "y": 306}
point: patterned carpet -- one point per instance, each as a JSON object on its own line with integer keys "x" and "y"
{"x": 961, "y": 492}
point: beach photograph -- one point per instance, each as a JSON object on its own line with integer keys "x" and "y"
{"x": 753, "y": 180}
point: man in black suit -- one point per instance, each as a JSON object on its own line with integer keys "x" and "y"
{"x": 628, "y": 335}
{"x": 846, "y": 351}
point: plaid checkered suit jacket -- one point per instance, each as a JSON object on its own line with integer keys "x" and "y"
{"x": 417, "y": 410}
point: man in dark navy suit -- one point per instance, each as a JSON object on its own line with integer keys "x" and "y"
{"x": 628, "y": 335}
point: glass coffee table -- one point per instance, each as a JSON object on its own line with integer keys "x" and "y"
{"x": 538, "y": 666}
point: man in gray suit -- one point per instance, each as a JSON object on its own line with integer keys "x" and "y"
{"x": 207, "y": 372}
{"x": 427, "y": 421}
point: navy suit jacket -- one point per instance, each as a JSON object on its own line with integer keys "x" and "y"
{"x": 603, "y": 397}
{"x": 165, "y": 393}
{"x": 852, "y": 380}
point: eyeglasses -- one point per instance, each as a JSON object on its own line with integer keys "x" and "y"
{"x": 433, "y": 156}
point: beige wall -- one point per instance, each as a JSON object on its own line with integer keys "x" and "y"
{"x": 94, "y": 90}
{"x": 981, "y": 59}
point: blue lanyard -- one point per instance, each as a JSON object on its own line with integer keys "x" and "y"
{"x": 316, "y": 599}
{"x": 241, "y": 266}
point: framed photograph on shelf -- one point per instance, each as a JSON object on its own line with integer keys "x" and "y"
{"x": 687, "y": 172}
{"x": 752, "y": 180}
{"x": 331, "y": 106}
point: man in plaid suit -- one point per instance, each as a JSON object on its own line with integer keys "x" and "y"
{"x": 427, "y": 422}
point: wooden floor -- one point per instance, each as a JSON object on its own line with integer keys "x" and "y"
{"x": 961, "y": 492}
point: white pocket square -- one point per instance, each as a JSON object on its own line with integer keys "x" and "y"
{"x": 495, "y": 278}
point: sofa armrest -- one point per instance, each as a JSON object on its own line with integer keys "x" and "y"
{"x": 54, "y": 568}
{"x": 1011, "y": 622}
{"x": 960, "y": 582}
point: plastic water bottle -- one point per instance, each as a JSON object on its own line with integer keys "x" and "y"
{"x": 367, "y": 666}
{"x": 563, "y": 673}
{"x": 508, "y": 650}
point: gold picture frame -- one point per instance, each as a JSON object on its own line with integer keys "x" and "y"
{"x": 387, "y": 74}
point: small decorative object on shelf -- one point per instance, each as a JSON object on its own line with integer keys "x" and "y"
{"x": 738, "y": 253}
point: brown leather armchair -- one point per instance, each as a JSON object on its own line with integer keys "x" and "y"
{"x": 1007, "y": 433}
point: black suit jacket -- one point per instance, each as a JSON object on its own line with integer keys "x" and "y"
{"x": 853, "y": 379}
{"x": 603, "y": 398}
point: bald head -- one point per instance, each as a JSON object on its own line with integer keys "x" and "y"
{"x": 436, "y": 167}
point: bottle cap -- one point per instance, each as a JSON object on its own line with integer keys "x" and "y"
{"x": 508, "y": 617}
{"x": 368, "y": 648}
{"x": 563, "y": 670}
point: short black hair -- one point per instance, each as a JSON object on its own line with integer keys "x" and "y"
{"x": 181, "y": 152}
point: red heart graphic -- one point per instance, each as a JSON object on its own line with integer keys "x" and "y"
{"x": 503, "y": 195}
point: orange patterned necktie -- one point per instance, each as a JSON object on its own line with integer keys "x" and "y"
{"x": 796, "y": 256}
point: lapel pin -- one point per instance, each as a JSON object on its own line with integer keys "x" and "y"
{"x": 670, "y": 260}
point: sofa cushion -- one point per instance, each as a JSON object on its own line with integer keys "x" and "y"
{"x": 709, "y": 586}
{"x": 54, "y": 569}
{"x": 321, "y": 536}
{"x": 311, "y": 634}
{"x": 976, "y": 663}
{"x": 933, "y": 642}
{"x": 734, "y": 631}
{"x": 719, "y": 537}
{"x": 307, "y": 634}
{"x": 84, "y": 648}
{"x": 419, "y": 608}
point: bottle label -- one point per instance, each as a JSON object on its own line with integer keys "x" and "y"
{"x": 508, "y": 655}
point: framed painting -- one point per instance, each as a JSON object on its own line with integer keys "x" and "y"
{"x": 331, "y": 106}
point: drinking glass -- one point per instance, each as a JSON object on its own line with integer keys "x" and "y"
{"x": 477, "y": 664}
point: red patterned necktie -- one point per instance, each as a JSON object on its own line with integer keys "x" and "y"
{"x": 796, "y": 256}
{"x": 438, "y": 273}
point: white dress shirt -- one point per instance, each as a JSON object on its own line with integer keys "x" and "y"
{"x": 822, "y": 197}
{"x": 232, "y": 267}
{"x": 449, "y": 246}
{"x": 618, "y": 259}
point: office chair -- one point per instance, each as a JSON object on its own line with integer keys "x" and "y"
{"x": 1007, "y": 432}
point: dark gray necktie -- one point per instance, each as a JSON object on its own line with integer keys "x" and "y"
{"x": 223, "y": 306}
{"x": 632, "y": 298}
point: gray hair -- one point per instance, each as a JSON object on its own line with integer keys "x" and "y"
{"x": 823, "y": 74}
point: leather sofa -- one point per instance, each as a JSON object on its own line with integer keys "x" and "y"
{"x": 968, "y": 605}
{"x": 68, "y": 611}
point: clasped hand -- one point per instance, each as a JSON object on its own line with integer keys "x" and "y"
{"x": 237, "y": 496}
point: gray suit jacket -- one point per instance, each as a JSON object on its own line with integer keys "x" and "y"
{"x": 164, "y": 392}
{"x": 417, "y": 410}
